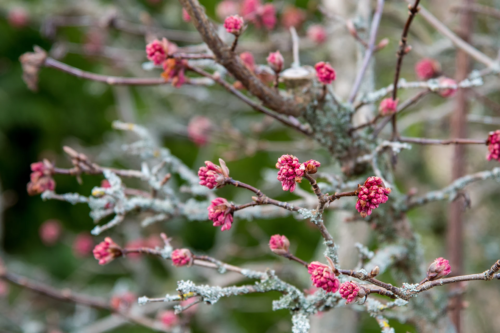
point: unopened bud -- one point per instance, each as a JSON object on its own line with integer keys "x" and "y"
{"x": 383, "y": 43}
{"x": 375, "y": 271}
{"x": 408, "y": 49}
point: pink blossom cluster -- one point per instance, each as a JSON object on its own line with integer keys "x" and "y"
{"x": 494, "y": 146}
{"x": 106, "y": 251}
{"x": 234, "y": 24}
{"x": 279, "y": 244}
{"x": 173, "y": 70}
{"x": 168, "y": 318}
{"x": 349, "y": 291}
{"x": 322, "y": 276}
{"x": 199, "y": 129}
{"x": 291, "y": 171}
{"x": 427, "y": 68}
{"x": 325, "y": 72}
{"x": 157, "y": 51}
{"x": 40, "y": 178}
{"x": 123, "y": 301}
{"x": 181, "y": 257}
{"x": 292, "y": 17}
{"x": 211, "y": 175}
{"x": 438, "y": 269}
{"x": 220, "y": 213}
{"x": 18, "y": 17}
{"x": 83, "y": 244}
{"x": 388, "y": 106}
{"x": 50, "y": 231}
{"x": 371, "y": 195}
{"x": 316, "y": 33}
{"x": 259, "y": 14}
{"x": 275, "y": 61}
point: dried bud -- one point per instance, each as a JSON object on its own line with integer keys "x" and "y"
{"x": 311, "y": 166}
{"x": 324, "y": 72}
{"x": 275, "y": 61}
{"x": 31, "y": 63}
{"x": 493, "y": 143}
{"x": 234, "y": 24}
{"x": 438, "y": 269}
{"x": 181, "y": 257}
{"x": 279, "y": 244}
{"x": 375, "y": 271}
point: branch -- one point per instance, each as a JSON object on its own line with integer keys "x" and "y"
{"x": 425, "y": 141}
{"x": 288, "y": 121}
{"x": 234, "y": 65}
{"x": 67, "y": 295}
{"x": 413, "y": 10}
{"x": 457, "y": 41}
{"x": 478, "y": 9}
{"x": 369, "y": 51}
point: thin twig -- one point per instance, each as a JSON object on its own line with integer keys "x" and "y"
{"x": 369, "y": 51}
{"x": 478, "y": 9}
{"x": 413, "y": 10}
{"x": 425, "y": 141}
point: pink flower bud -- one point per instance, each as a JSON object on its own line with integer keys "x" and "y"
{"x": 227, "y": 8}
{"x": 18, "y": 17}
{"x": 106, "y": 251}
{"x": 50, "y": 231}
{"x": 427, "y": 69}
{"x": 388, "y": 106}
{"x": 234, "y": 24}
{"x": 185, "y": 15}
{"x": 438, "y": 269}
{"x": 105, "y": 183}
{"x": 371, "y": 195}
{"x": 123, "y": 301}
{"x": 311, "y": 166}
{"x": 211, "y": 175}
{"x": 220, "y": 213}
{"x": 83, "y": 245}
{"x": 292, "y": 17}
{"x": 181, "y": 257}
{"x": 199, "y": 129}
{"x": 448, "y": 92}
{"x": 157, "y": 51}
{"x": 173, "y": 70}
{"x": 349, "y": 290}
{"x": 169, "y": 319}
{"x": 267, "y": 15}
{"x": 289, "y": 172}
{"x": 41, "y": 178}
{"x": 322, "y": 276}
{"x": 248, "y": 60}
{"x": 325, "y": 73}
{"x": 316, "y": 33}
{"x": 249, "y": 8}
{"x": 279, "y": 244}
{"x": 275, "y": 61}
{"x": 494, "y": 146}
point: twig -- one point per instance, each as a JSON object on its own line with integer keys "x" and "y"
{"x": 234, "y": 65}
{"x": 190, "y": 56}
{"x": 67, "y": 295}
{"x": 413, "y": 10}
{"x": 425, "y": 141}
{"x": 369, "y": 51}
{"x": 288, "y": 121}
{"x": 457, "y": 41}
{"x": 295, "y": 47}
{"x": 479, "y": 9}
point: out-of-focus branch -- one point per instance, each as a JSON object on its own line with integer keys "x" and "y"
{"x": 67, "y": 295}
{"x": 286, "y": 120}
{"x": 425, "y": 141}
{"x": 233, "y": 63}
{"x": 478, "y": 9}
{"x": 457, "y": 41}
{"x": 369, "y": 51}
{"x": 413, "y": 10}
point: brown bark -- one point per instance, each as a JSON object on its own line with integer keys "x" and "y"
{"x": 455, "y": 237}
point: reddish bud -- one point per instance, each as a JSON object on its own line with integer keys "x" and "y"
{"x": 493, "y": 143}
{"x": 227, "y": 8}
{"x": 83, "y": 245}
{"x": 292, "y": 17}
{"x": 234, "y": 24}
{"x": 156, "y": 51}
{"x": 18, "y": 17}
{"x": 275, "y": 61}
{"x": 107, "y": 251}
{"x": 212, "y": 175}
{"x": 173, "y": 70}
{"x": 427, "y": 69}
{"x": 371, "y": 195}
{"x": 316, "y": 33}
{"x": 181, "y": 257}
{"x": 322, "y": 276}
{"x": 438, "y": 269}
{"x": 349, "y": 291}
{"x": 324, "y": 72}
{"x": 289, "y": 172}
{"x": 248, "y": 60}
{"x": 169, "y": 319}
{"x": 41, "y": 178}
{"x": 220, "y": 213}
{"x": 50, "y": 231}
{"x": 388, "y": 106}
{"x": 311, "y": 166}
{"x": 447, "y": 92}
{"x": 279, "y": 244}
